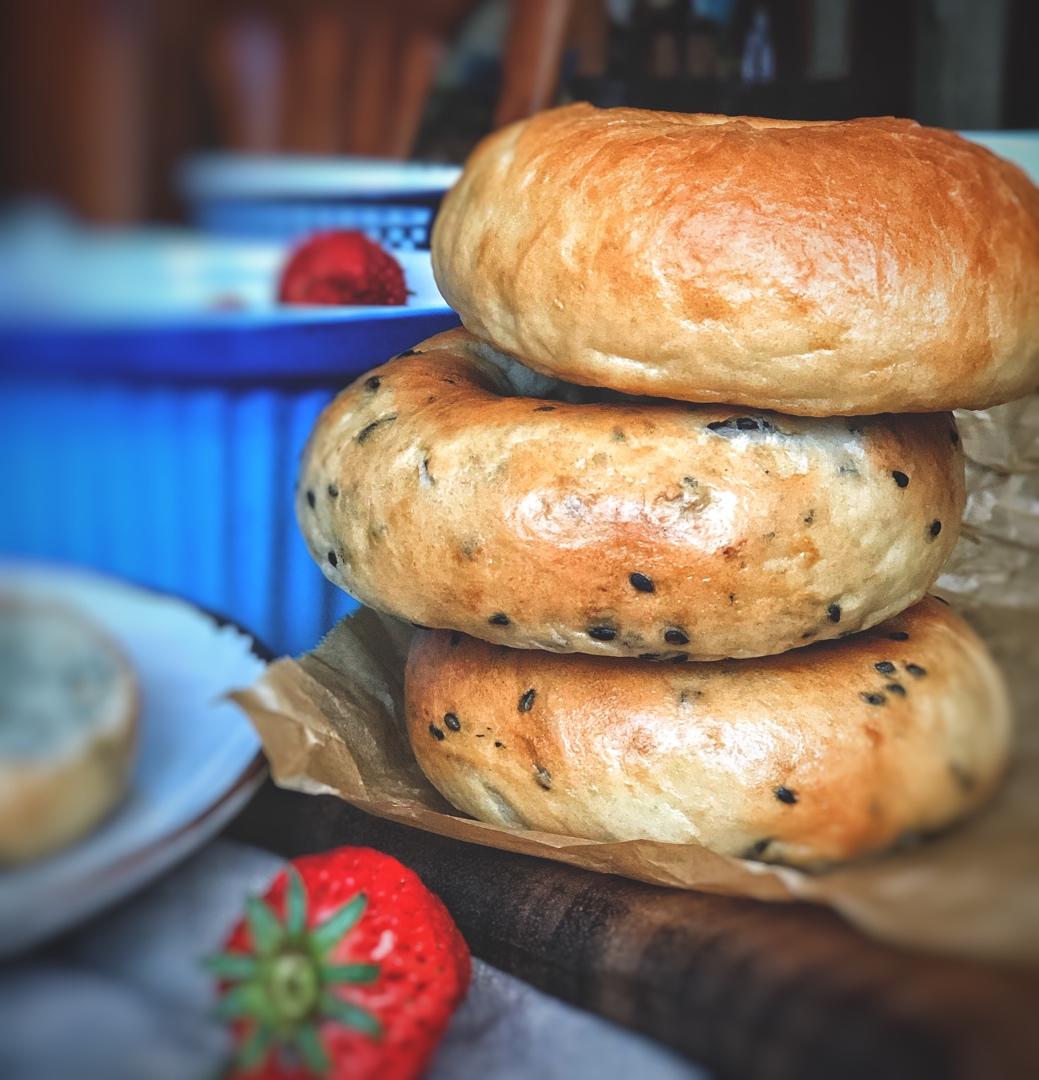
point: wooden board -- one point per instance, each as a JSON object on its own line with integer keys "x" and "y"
{"x": 752, "y": 990}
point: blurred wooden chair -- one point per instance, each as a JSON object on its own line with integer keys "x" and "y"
{"x": 99, "y": 98}
{"x": 354, "y": 77}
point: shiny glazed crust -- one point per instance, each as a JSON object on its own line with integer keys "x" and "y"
{"x": 814, "y": 268}
{"x": 431, "y": 491}
{"x": 816, "y": 756}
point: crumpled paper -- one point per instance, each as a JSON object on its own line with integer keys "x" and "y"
{"x": 996, "y": 563}
{"x": 332, "y": 722}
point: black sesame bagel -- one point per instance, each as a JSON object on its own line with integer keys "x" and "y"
{"x": 813, "y": 757}
{"x": 431, "y": 491}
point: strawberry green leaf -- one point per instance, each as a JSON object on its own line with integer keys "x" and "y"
{"x": 254, "y": 1050}
{"x": 345, "y": 919}
{"x": 231, "y": 966}
{"x": 245, "y": 1000}
{"x": 349, "y": 973}
{"x": 308, "y": 1042}
{"x": 266, "y": 931}
{"x": 295, "y": 904}
{"x": 351, "y": 1016}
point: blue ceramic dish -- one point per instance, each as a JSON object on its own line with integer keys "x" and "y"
{"x": 148, "y": 431}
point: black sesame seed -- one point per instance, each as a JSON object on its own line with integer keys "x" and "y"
{"x": 895, "y": 688}
{"x": 456, "y": 637}
{"x": 808, "y": 634}
{"x": 885, "y": 667}
{"x": 641, "y": 582}
{"x": 602, "y": 633}
{"x": 872, "y": 698}
{"x": 962, "y": 777}
{"x": 908, "y": 840}
{"x": 785, "y": 795}
{"x": 526, "y": 701}
{"x": 649, "y": 656}
{"x": 680, "y": 658}
{"x": 742, "y": 423}
{"x": 759, "y": 847}
{"x": 373, "y": 383}
{"x": 834, "y": 613}
{"x": 333, "y": 558}
{"x": 674, "y": 636}
{"x": 311, "y": 501}
{"x": 916, "y": 671}
{"x": 333, "y": 491}
{"x": 452, "y": 721}
{"x": 543, "y": 777}
{"x": 436, "y": 733}
{"x": 936, "y": 527}
{"x": 499, "y": 618}
{"x": 498, "y": 743}
{"x": 900, "y": 478}
{"x": 898, "y": 635}
{"x": 546, "y": 408}
{"x": 366, "y": 432}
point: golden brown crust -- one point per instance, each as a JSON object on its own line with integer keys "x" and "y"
{"x": 814, "y": 268}
{"x": 819, "y": 755}
{"x": 48, "y": 802}
{"x": 620, "y": 528}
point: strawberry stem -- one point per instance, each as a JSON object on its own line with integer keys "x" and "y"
{"x": 287, "y": 987}
{"x": 293, "y": 985}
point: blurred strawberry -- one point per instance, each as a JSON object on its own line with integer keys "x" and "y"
{"x": 341, "y": 268}
{"x": 349, "y": 967}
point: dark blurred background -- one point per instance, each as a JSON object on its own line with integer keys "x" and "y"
{"x": 101, "y": 98}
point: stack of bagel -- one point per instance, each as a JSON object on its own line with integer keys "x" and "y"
{"x": 667, "y": 511}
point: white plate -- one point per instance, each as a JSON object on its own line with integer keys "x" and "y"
{"x": 197, "y": 758}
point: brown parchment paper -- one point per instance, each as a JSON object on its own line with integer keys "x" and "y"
{"x": 331, "y": 722}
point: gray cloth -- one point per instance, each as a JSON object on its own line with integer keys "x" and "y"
{"x": 126, "y": 999}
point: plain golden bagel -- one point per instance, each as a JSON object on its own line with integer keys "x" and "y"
{"x": 817, "y": 756}
{"x": 820, "y": 269}
{"x": 449, "y": 488}
{"x": 69, "y": 705}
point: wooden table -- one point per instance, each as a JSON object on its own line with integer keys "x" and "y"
{"x": 752, "y": 990}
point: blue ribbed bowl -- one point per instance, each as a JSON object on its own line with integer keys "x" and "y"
{"x": 146, "y": 437}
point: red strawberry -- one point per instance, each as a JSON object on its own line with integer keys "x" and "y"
{"x": 349, "y": 967}
{"x": 341, "y": 268}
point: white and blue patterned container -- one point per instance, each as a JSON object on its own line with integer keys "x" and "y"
{"x": 283, "y": 198}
